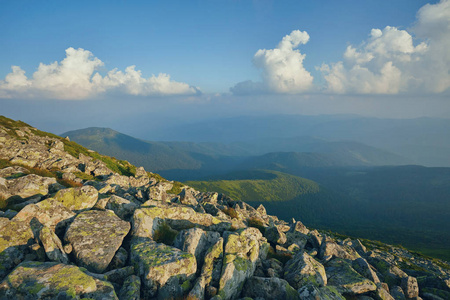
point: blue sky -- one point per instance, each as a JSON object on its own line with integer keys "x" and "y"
{"x": 199, "y": 51}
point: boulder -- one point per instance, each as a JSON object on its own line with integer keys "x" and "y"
{"x": 196, "y": 241}
{"x": 269, "y": 288}
{"x": 49, "y": 212}
{"x": 53, "y": 246}
{"x": 329, "y": 248}
{"x": 157, "y": 263}
{"x": 410, "y": 287}
{"x": 302, "y": 270}
{"x": 131, "y": 288}
{"x": 241, "y": 251}
{"x": 95, "y": 237}
{"x": 346, "y": 279}
{"x": 362, "y": 267}
{"x": 275, "y": 235}
{"x": 50, "y": 280}
{"x": 188, "y": 197}
{"x": 78, "y": 199}
{"x": 26, "y": 186}
{"x": 212, "y": 265}
{"x": 13, "y": 171}
{"x": 122, "y": 207}
{"x": 397, "y": 293}
{"x": 313, "y": 292}
{"x": 15, "y": 237}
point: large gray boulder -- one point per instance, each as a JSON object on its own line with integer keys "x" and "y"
{"x": 50, "y": 213}
{"x": 95, "y": 237}
{"x": 78, "y": 199}
{"x": 196, "y": 241}
{"x": 52, "y": 245}
{"x": 241, "y": 252}
{"x": 313, "y": 292}
{"x": 15, "y": 237}
{"x": 50, "y": 280}
{"x": 302, "y": 269}
{"x": 269, "y": 288}
{"x": 346, "y": 279}
{"x": 159, "y": 264}
{"x": 410, "y": 287}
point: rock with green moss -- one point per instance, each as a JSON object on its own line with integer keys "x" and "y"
{"x": 15, "y": 237}
{"x": 362, "y": 267}
{"x": 14, "y": 171}
{"x": 275, "y": 235}
{"x": 52, "y": 245}
{"x": 410, "y": 287}
{"x": 177, "y": 217}
{"x": 346, "y": 279}
{"x": 312, "y": 292}
{"x": 157, "y": 263}
{"x": 212, "y": 265}
{"x": 122, "y": 207}
{"x": 78, "y": 199}
{"x": 49, "y": 212}
{"x": 329, "y": 248}
{"x": 269, "y": 288}
{"x": 196, "y": 241}
{"x": 188, "y": 196}
{"x": 131, "y": 288}
{"x": 95, "y": 237}
{"x": 159, "y": 190}
{"x": 302, "y": 269}
{"x": 27, "y": 186}
{"x": 381, "y": 293}
{"x": 241, "y": 253}
{"x": 50, "y": 280}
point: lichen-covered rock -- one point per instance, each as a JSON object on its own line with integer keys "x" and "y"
{"x": 196, "y": 241}
{"x": 49, "y": 212}
{"x": 240, "y": 255}
{"x": 275, "y": 235}
{"x": 13, "y": 172}
{"x": 329, "y": 248}
{"x": 269, "y": 288}
{"x": 53, "y": 246}
{"x": 346, "y": 279}
{"x": 382, "y": 294}
{"x": 157, "y": 263}
{"x": 158, "y": 191}
{"x": 397, "y": 293}
{"x": 188, "y": 197}
{"x": 95, "y": 237}
{"x": 122, "y": 207}
{"x": 362, "y": 267}
{"x": 302, "y": 269}
{"x": 177, "y": 217}
{"x": 50, "y": 280}
{"x": 212, "y": 264}
{"x": 312, "y": 292}
{"x": 15, "y": 237}
{"x": 26, "y": 186}
{"x": 78, "y": 199}
{"x": 410, "y": 287}
{"x": 131, "y": 289}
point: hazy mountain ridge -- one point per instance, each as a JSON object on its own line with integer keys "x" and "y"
{"x": 189, "y": 160}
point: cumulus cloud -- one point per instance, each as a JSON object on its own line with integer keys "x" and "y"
{"x": 75, "y": 77}
{"x": 281, "y": 68}
{"x": 390, "y": 61}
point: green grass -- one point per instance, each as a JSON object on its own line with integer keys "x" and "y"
{"x": 260, "y": 186}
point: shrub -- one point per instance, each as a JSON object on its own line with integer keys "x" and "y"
{"x": 231, "y": 212}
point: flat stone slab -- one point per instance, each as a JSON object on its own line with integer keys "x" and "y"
{"x": 95, "y": 237}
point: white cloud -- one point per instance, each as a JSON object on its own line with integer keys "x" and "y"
{"x": 282, "y": 68}
{"x": 389, "y": 62}
{"x": 75, "y": 77}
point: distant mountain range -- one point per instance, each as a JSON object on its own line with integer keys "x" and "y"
{"x": 188, "y": 160}
{"x": 423, "y": 141}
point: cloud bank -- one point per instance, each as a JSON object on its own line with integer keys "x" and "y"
{"x": 389, "y": 62}
{"x": 75, "y": 77}
{"x": 281, "y": 68}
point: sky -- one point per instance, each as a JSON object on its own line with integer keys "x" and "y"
{"x": 72, "y": 64}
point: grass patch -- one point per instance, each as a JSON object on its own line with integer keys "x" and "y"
{"x": 176, "y": 188}
{"x": 231, "y": 212}
{"x": 256, "y": 223}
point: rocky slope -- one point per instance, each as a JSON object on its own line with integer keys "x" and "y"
{"x": 75, "y": 224}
